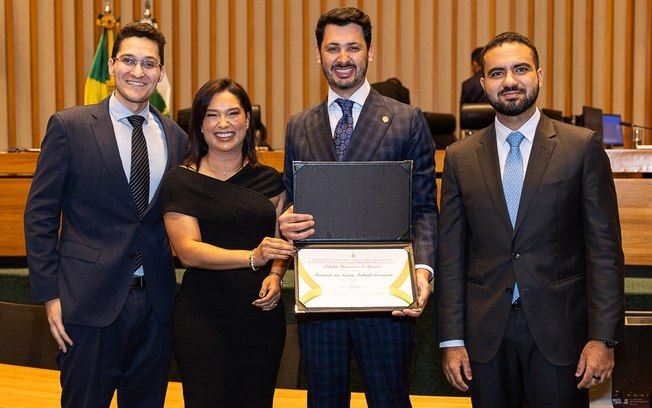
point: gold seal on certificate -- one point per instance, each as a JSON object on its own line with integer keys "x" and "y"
{"x": 355, "y": 277}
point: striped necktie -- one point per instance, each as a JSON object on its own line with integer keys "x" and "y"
{"x": 139, "y": 179}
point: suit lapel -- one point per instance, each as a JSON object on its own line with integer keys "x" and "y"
{"x": 102, "y": 129}
{"x": 373, "y": 122}
{"x": 488, "y": 158}
{"x": 542, "y": 148}
{"x": 171, "y": 148}
{"x": 318, "y": 134}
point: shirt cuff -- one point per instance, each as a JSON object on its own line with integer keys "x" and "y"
{"x": 451, "y": 343}
{"x": 428, "y": 268}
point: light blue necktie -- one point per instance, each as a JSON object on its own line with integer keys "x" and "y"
{"x": 513, "y": 183}
{"x": 344, "y": 127}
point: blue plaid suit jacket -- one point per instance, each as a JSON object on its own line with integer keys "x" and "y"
{"x": 386, "y": 130}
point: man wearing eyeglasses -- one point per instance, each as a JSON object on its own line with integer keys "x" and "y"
{"x": 97, "y": 250}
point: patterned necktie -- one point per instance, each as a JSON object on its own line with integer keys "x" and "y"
{"x": 513, "y": 183}
{"x": 139, "y": 180}
{"x": 344, "y": 127}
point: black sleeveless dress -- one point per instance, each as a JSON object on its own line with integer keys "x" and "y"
{"x": 228, "y": 350}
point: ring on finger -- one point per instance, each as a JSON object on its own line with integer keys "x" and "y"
{"x": 597, "y": 377}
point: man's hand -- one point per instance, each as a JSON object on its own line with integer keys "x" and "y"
{"x": 596, "y": 364}
{"x": 455, "y": 362}
{"x": 55, "y": 319}
{"x": 423, "y": 292}
{"x": 295, "y": 226}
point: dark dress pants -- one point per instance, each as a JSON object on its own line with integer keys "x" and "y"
{"x": 131, "y": 355}
{"x": 382, "y": 347}
{"x": 520, "y": 376}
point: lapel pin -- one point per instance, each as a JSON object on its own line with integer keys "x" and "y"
{"x": 385, "y": 119}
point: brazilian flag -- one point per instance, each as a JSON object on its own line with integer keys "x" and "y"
{"x": 99, "y": 83}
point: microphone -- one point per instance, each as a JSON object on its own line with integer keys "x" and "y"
{"x": 634, "y": 125}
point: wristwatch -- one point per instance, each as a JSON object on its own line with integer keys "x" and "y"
{"x": 609, "y": 343}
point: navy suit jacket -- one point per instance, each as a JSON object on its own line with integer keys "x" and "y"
{"x": 472, "y": 91}
{"x": 386, "y": 130}
{"x": 565, "y": 250}
{"x": 81, "y": 222}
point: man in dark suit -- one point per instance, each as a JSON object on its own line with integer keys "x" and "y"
{"x": 394, "y": 89}
{"x": 472, "y": 91}
{"x": 101, "y": 264}
{"x": 383, "y": 129}
{"x": 529, "y": 291}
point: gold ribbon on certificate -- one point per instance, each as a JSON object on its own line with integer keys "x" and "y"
{"x": 355, "y": 278}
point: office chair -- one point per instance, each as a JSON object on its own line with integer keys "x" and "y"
{"x": 183, "y": 119}
{"x": 260, "y": 131}
{"x": 475, "y": 116}
{"x": 25, "y": 337}
{"x": 442, "y": 128}
{"x": 288, "y": 372}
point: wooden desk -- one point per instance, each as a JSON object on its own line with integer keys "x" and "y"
{"x": 635, "y": 209}
{"x": 26, "y": 387}
{"x": 634, "y": 197}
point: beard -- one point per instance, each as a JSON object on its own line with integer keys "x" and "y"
{"x": 336, "y": 83}
{"x": 514, "y": 107}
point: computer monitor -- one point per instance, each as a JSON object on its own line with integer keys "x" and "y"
{"x": 612, "y": 131}
{"x": 592, "y": 118}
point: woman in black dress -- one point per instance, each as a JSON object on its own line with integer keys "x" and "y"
{"x": 220, "y": 210}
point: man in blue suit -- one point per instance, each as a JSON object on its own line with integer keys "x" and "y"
{"x": 383, "y": 130}
{"x": 102, "y": 266}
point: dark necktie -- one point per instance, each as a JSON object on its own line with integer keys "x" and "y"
{"x": 513, "y": 182}
{"x": 139, "y": 180}
{"x": 344, "y": 127}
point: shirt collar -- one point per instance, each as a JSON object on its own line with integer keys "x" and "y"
{"x": 527, "y": 130}
{"x": 120, "y": 112}
{"x": 358, "y": 96}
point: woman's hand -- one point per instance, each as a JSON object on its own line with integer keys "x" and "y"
{"x": 270, "y": 293}
{"x": 270, "y": 249}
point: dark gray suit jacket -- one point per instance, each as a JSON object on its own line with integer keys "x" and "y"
{"x": 565, "y": 250}
{"x": 386, "y": 130}
{"x": 80, "y": 188}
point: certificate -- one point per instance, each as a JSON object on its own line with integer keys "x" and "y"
{"x": 360, "y": 277}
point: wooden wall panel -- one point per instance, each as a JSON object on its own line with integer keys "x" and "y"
{"x": 594, "y": 52}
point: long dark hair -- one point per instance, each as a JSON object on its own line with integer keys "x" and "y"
{"x": 197, "y": 147}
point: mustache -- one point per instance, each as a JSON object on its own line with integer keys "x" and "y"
{"x": 510, "y": 89}
{"x": 340, "y": 65}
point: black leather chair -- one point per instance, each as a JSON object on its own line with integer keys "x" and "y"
{"x": 260, "y": 131}
{"x": 475, "y": 116}
{"x": 442, "y": 128}
{"x": 25, "y": 337}
{"x": 183, "y": 119}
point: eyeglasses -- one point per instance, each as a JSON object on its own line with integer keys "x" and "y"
{"x": 146, "y": 63}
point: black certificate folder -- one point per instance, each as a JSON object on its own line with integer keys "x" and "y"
{"x": 355, "y": 201}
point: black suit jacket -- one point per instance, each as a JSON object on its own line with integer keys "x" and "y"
{"x": 386, "y": 130}
{"x": 472, "y": 91}
{"x": 393, "y": 88}
{"x": 565, "y": 250}
{"x": 81, "y": 222}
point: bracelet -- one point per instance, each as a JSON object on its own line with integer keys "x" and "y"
{"x": 280, "y": 278}
{"x": 251, "y": 260}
